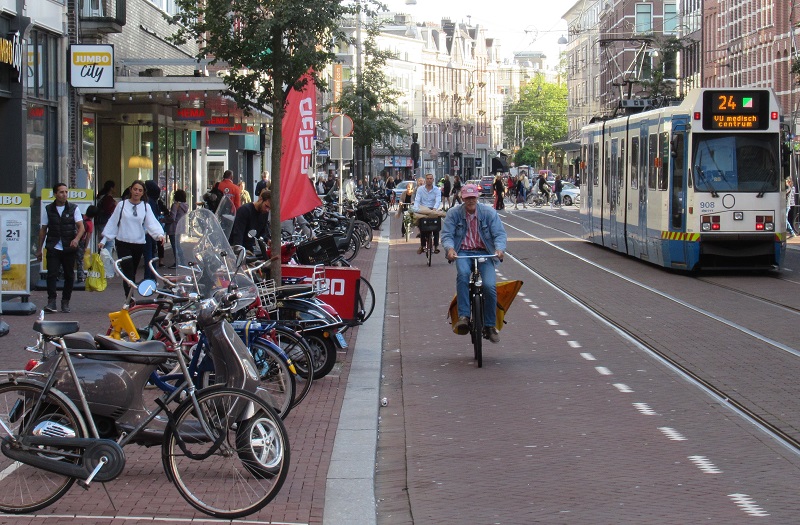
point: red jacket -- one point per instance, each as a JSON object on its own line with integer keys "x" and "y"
{"x": 228, "y": 187}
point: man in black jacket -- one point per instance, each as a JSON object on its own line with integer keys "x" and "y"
{"x": 251, "y": 216}
{"x": 61, "y": 230}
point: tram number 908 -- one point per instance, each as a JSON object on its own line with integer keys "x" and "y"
{"x": 706, "y": 206}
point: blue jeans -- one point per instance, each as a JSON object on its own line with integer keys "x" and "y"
{"x": 464, "y": 269}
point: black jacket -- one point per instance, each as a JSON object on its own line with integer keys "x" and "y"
{"x": 248, "y": 218}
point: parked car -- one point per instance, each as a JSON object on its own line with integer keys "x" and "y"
{"x": 570, "y": 194}
{"x": 486, "y": 185}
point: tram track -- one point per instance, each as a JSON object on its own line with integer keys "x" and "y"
{"x": 727, "y": 396}
{"x": 788, "y": 308}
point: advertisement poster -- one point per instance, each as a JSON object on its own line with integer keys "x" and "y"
{"x": 16, "y": 250}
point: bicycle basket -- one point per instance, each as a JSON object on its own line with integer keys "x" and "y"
{"x": 322, "y": 250}
{"x": 266, "y": 294}
{"x": 429, "y": 224}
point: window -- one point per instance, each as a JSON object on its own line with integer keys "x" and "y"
{"x": 670, "y": 18}
{"x": 652, "y": 160}
{"x": 635, "y": 162}
{"x": 644, "y": 18}
{"x": 664, "y": 155}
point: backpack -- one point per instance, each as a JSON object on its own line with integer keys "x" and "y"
{"x": 213, "y": 198}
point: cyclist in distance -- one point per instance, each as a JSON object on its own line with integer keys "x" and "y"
{"x": 475, "y": 229}
{"x": 431, "y": 196}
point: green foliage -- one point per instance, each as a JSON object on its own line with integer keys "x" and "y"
{"x": 542, "y": 111}
{"x": 370, "y": 102}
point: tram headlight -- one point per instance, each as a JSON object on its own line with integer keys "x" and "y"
{"x": 706, "y": 227}
{"x": 738, "y": 215}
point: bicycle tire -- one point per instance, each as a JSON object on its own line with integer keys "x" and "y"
{"x": 207, "y": 473}
{"x": 24, "y": 488}
{"x": 477, "y": 327}
{"x": 352, "y": 248}
{"x": 296, "y": 347}
{"x": 366, "y": 298}
{"x": 429, "y": 248}
{"x": 366, "y": 234}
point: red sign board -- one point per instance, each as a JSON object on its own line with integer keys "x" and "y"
{"x": 342, "y": 284}
{"x": 238, "y": 128}
{"x": 218, "y": 121}
{"x": 36, "y": 112}
{"x": 191, "y": 114}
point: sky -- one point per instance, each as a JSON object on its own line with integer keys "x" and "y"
{"x": 507, "y": 20}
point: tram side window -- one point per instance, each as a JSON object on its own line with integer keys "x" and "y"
{"x": 607, "y": 170}
{"x": 635, "y": 162}
{"x": 651, "y": 163}
{"x": 620, "y": 171}
{"x": 663, "y": 172}
{"x": 582, "y": 166}
{"x": 596, "y": 164}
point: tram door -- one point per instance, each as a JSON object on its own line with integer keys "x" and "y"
{"x": 641, "y": 238}
{"x": 677, "y": 199}
{"x": 612, "y": 195}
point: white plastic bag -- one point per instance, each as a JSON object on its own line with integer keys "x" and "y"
{"x": 108, "y": 263}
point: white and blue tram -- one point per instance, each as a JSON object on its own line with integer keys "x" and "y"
{"x": 692, "y": 186}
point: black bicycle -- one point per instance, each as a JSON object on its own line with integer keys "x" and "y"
{"x": 427, "y": 226}
{"x": 476, "y": 305}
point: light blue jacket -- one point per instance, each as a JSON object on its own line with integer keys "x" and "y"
{"x": 490, "y": 228}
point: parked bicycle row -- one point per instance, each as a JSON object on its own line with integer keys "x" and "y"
{"x": 230, "y": 353}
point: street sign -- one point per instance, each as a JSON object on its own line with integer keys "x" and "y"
{"x": 341, "y": 126}
{"x": 342, "y": 148}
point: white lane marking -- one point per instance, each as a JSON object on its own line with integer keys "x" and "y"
{"x": 574, "y": 344}
{"x": 552, "y": 322}
{"x": 622, "y": 387}
{"x": 644, "y": 409}
{"x": 603, "y": 370}
{"x": 588, "y": 356}
{"x": 747, "y": 504}
{"x": 562, "y": 332}
{"x": 672, "y": 434}
{"x": 704, "y": 464}
{"x": 527, "y": 300}
{"x": 543, "y": 313}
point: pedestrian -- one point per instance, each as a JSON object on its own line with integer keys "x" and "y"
{"x": 252, "y": 216}
{"x": 179, "y": 209}
{"x": 88, "y": 231}
{"x": 558, "y": 188}
{"x": 499, "y": 190}
{"x": 245, "y": 195}
{"x": 230, "y": 188}
{"x": 130, "y": 223}
{"x": 262, "y": 184}
{"x": 520, "y": 193}
{"x": 105, "y": 205}
{"x": 790, "y": 196}
{"x": 456, "y": 191}
{"x": 60, "y": 232}
{"x": 446, "y": 193}
{"x": 153, "y": 249}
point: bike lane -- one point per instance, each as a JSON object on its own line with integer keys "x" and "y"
{"x": 567, "y": 421}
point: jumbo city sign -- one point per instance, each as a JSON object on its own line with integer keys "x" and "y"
{"x": 91, "y": 65}
{"x": 11, "y": 53}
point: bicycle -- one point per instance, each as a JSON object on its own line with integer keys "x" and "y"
{"x": 215, "y": 435}
{"x": 476, "y": 305}
{"x": 427, "y": 226}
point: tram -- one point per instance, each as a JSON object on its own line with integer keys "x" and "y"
{"x": 699, "y": 185}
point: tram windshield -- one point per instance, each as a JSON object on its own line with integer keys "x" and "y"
{"x": 743, "y": 162}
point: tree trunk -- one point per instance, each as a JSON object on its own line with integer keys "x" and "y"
{"x": 278, "y": 109}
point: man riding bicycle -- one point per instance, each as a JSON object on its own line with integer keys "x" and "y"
{"x": 431, "y": 196}
{"x": 475, "y": 229}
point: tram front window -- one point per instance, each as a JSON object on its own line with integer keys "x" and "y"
{"x": 731, "y": 163}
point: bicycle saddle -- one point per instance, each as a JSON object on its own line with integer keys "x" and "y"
{"x": 56, "y": 328}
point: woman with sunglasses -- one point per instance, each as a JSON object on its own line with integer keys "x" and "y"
{"x": 131, "y": 221}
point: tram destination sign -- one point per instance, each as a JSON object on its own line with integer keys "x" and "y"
{"x": 736, "y": 110}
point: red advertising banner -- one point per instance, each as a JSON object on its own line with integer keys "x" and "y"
{"x": 342, "y": 286}
{"x": 297, "y": 194}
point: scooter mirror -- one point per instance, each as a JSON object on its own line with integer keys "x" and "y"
{"x": 252, "y": 234}
{"x": 147, "y": 288}
{"x": 241, "y": 254}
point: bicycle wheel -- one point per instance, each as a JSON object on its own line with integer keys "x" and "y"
{"x": 143, "y": 317}
{"x": 477, "y": 327}
{"x": 429, "y": 248}
{"x": 24, "y": 488}
{"x": 365, "y": 230}
{"x": 240, "y": 467}
{"x": 366, "y": 298}
{"x": 352, "y": 248}
{"x": 294, "y": 346}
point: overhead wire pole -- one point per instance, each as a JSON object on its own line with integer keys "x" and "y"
{"x": 359, "y": 174}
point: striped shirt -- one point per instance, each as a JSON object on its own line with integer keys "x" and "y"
{"x": 472, "y": 240}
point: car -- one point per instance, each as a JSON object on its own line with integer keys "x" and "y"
{"x": 486, "y": 185}
{"x": 570, "y": 194}
{"x": 400, "y": 189}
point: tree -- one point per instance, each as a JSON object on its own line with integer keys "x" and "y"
{"x": 542, "y": 112}
{"x": 268, "y": 46}
{"x": 371, "y": 99}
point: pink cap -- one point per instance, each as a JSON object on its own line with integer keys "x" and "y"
{"x": 470, "y": 190}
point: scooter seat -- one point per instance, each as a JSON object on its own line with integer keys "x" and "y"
{"x": 56, "y": 328}
{"x": 80, "y": 341}
{"x": 156, "y": 350}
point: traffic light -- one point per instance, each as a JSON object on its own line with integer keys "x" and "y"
{"x": 415, "y": 154}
